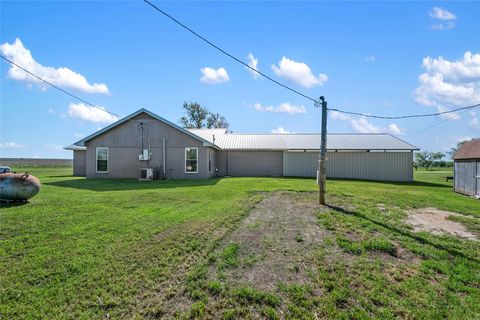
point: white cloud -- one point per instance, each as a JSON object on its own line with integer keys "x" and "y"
{"x": 370, "y": 58}
{"x": 394, "y": 129}
{"x": 298, "y": 72}
{"x": 448, "y": 116}
{"x": 441, "y": 14}
{"x": 253, "y": 63}
{"x": 362, "y": 125}
{"x": 280, "y": 130}
{"x": 11, "y": 145}
{"x": 54, "y": 147}
{"x": 446, "y": 19}
{"x": 62, "y": 77}
{"x": 285, "y": 107}
{"x": 335, "y": 115}
{"x": 213, "y": 76}
{"x": 474, "y": 123}
{"x": 443, "y": 26}
{"x": 51, "y": 111}
{"x": 447, "y": 84}
{"x": 78, "y": 135}
{"x": 88, "y": 113}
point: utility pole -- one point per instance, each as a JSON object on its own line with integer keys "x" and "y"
{"x": 322, "y": 166}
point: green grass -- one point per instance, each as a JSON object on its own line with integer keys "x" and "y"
{"x": 84, "y": 249}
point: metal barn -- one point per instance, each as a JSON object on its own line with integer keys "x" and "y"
{"x": 467, "y": 168}
{"x": 376, "y": 156}
{"x": 144, "y": 142}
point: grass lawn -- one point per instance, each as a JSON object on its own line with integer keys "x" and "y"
{"x": 85, "y": 249}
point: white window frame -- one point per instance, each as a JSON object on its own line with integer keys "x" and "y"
{"x": 96, "y": 159}
{"x": 185, "y": 162}
{"x": 209, "y": 160}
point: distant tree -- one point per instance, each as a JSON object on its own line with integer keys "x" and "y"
{"x": 437, "y": 156}
{"x": 215, "y": 121}
{"x": 427, "y": 159}
{"x": 197, "y": 117}
{"x": 452, "y": 151}
{"x": 423, "y": 159}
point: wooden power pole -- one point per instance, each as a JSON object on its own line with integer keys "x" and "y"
{"x": 322, "y": 165}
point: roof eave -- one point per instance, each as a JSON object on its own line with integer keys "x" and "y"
{"x": 74, "y": 147}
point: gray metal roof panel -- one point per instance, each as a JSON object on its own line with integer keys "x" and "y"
{"x": 335, "y": 141}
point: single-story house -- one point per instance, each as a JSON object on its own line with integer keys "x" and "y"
{"x": 467, "y": 168}
{"x": 144, "y": 140}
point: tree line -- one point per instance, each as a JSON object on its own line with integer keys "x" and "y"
{"x": 428, "y": 159}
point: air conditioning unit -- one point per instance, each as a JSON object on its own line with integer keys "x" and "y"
{"x": 146, "y": 174}
{"x": 145, "y": 155}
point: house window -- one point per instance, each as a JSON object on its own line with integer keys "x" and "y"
{"x": 209, "y": 160}
{"x": 191, "y": 160}
{"x": 102, "y": 159}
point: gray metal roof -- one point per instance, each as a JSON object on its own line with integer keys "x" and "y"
{"x": 335, "y": 141}
{"x": 220, "y": 139}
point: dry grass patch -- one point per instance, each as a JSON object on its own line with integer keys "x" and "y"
{"x": 274, "y": 244}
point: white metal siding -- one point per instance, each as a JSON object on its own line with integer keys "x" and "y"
{"x": 384, "y": 166}
{"x": 300, "y": 164}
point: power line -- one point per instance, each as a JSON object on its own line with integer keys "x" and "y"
{"x": 228, "y": 54}
{"x": 432, "y": 126}
{"x": 407, "y": 116}
{"x": 291, "y": 89}
{"x": 58, "y": 88}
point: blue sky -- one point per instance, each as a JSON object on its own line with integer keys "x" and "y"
{"x": 367, "y": 57}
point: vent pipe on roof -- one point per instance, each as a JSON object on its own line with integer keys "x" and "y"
{"x": 213, "y": 139}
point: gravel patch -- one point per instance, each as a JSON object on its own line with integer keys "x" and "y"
{"x": 436, "y": 222}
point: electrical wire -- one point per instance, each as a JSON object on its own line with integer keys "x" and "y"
{"x": 432, "y": 126}
{"x": 58, "y": 88}
{"x": 226, "y": 53}
{"x": 407, "y": 116}
{"x": 291, "y": 89}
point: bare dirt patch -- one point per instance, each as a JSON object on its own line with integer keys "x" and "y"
{"x": 436, "y": 221}
{"x": 277, "y": 241}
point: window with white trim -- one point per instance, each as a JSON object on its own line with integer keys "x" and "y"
{"x": 191, "y": 160}
{"x": 102, "y": 159}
